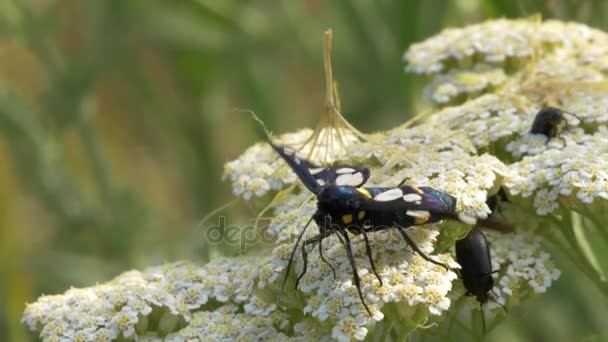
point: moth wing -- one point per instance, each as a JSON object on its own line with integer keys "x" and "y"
{"x": 343, "y": 175}
{"x": 301, "y": 167}
{"x": 437, "y": 201}
{"x": 404, "y": 198}
{"x": 315, "y": 177}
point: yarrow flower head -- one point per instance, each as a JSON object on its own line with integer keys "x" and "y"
{"x": 488, "y": 81}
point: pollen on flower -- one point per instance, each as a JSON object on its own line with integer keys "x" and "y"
{"x": 459, "y": 83}
{"x": 436, "y": 297}
{"x": 348, "y": 329}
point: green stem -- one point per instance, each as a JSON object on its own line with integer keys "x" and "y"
{"x": 597, "y": 222}
{"x": 567, "y": 245}
{"x": 92, "y": 148}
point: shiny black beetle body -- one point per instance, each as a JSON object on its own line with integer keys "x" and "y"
{"x": 473, "y": 256}
{"x": 550, "y": 122}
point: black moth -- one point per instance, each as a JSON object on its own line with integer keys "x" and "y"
{"x": 344, "y": 205}
{"x": 550, "y": 122}
{"x": 473, "y": 255}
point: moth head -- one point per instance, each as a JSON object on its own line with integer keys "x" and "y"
{"x": 336, "y": 199}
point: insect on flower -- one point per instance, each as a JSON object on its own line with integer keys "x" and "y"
{"x": 473, "y": 255}
{"x": 550, "y": 122}
{"x": 345, "y": 206}
{"x": 493, "y": 221}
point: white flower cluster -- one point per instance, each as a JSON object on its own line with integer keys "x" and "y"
{"x": 560, "y": 65}
{"x": 500, "y": 41}
{"x": 446, "y": 88}
{"x": 179, "y": 301}
{"x": 525, "y": 269}
{"x": 487, "y": 119}
{"x": 574, "y": 174}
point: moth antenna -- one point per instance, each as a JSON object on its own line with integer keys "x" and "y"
{"x": 264, "y": 131}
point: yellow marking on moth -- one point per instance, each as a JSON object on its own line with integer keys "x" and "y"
{"x": 420, "y": 216}
{"x": 361, "y": 215}
{"x": 364, "y": 192}
{"x": 421, "y": 220}
{"x": 346, "y": 219}
{"x": 417, "y": 190}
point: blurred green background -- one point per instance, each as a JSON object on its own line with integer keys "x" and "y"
{"x": 116, "y": 117}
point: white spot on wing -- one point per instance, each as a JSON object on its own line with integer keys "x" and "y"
{"x": 316, "y": 170}
{"x": 418, "y": 213}
{"x": 354, "y": 179}
{"x": 321, "y": 182}
{"x": 389, "y": 195}
{"x": 412, "y": 198}
{"x": 345, "y": 170}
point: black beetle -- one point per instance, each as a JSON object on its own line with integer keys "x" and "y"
{"x": 473, "y": 255}
{"x": 550, "y": 122}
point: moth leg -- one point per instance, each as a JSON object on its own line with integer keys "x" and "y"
{"x": 333, "y": 270}
{"x": 368, "y": 250}
{"x": 312, "y": 240}
{"x": 293, "y": 253}
{"x": 351, "y": 260}
{"x": 413, "y": 245}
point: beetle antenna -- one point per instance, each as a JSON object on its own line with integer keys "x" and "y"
{"x": 573, "y": 114}
{"x": 497, "y": 302}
